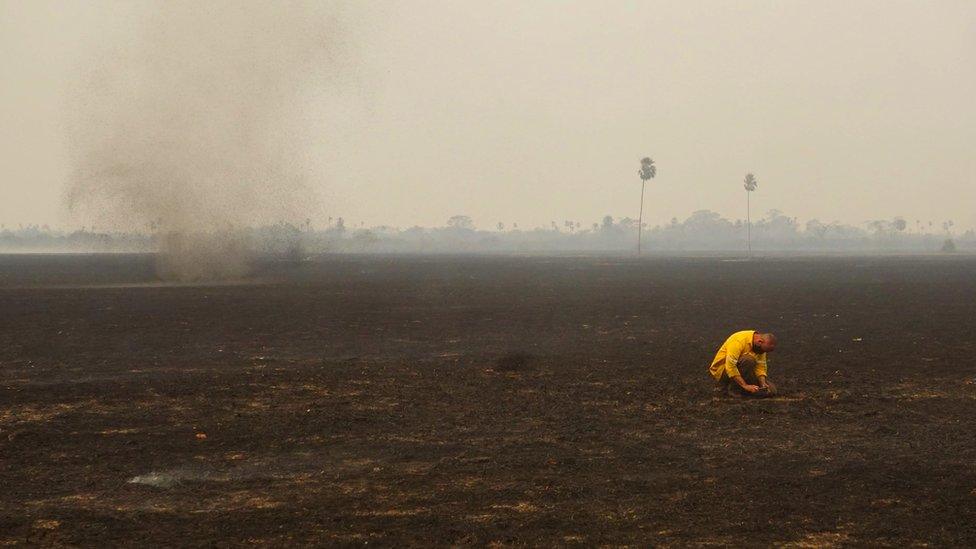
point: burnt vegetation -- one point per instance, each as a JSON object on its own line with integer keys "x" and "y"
{"x": 541, "y": 401}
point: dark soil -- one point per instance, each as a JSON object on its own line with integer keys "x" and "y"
{"x": 435, "y": 401}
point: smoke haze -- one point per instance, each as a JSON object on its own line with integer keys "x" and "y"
{"x": 504, "y": 111}
{"x": 197, "y": 130}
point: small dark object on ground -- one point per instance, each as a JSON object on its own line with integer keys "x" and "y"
{"x": 513, "y": 361}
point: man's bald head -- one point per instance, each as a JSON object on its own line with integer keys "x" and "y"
{"x": 764, "y": 343}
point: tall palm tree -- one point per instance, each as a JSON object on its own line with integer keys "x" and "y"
{"x": 750, "y": 184}
{"x": 647, "y": 171}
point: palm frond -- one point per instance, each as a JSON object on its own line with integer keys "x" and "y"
{"x": 750, "y": 184}
{"x": 647, "y": 169}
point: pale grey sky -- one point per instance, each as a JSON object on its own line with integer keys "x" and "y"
{"x": 529, "y": 112}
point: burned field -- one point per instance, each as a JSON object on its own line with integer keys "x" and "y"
{"x": 541, "y": 401}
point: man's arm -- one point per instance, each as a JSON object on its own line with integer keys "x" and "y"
{"x": 761, "y": 370}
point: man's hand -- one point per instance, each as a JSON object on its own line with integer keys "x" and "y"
{"x": 745, "y": 386}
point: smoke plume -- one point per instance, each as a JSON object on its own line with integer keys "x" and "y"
{"x": 196, "y": 130}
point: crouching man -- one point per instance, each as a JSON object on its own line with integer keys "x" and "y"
{"x": 740, "y": 365}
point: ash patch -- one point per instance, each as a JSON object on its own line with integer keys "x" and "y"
{"x": 173, "y": 477}
{"x": 158, "y": 480}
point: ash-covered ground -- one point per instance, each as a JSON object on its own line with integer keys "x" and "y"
{"x": 486, "y": 400}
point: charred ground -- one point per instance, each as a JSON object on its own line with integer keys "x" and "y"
{"x": 470, "y": 400}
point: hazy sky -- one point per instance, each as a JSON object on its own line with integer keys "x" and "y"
{"x": 537, "y": 111}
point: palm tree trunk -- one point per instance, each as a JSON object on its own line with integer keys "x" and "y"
{"x": 640, "y": 218}
{"x": 748, "y": 224}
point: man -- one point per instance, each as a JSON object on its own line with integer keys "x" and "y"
{"x": 740, "y": 365}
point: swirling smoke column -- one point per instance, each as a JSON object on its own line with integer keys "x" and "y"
{"x": 196, "y": 129}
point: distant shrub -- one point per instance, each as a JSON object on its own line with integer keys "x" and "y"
{"x": 948, "y": 246}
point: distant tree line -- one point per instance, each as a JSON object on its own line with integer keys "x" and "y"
{"x": 703, "y": 230}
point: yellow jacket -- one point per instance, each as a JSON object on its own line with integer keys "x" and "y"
{"x": 738, "y": 345}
